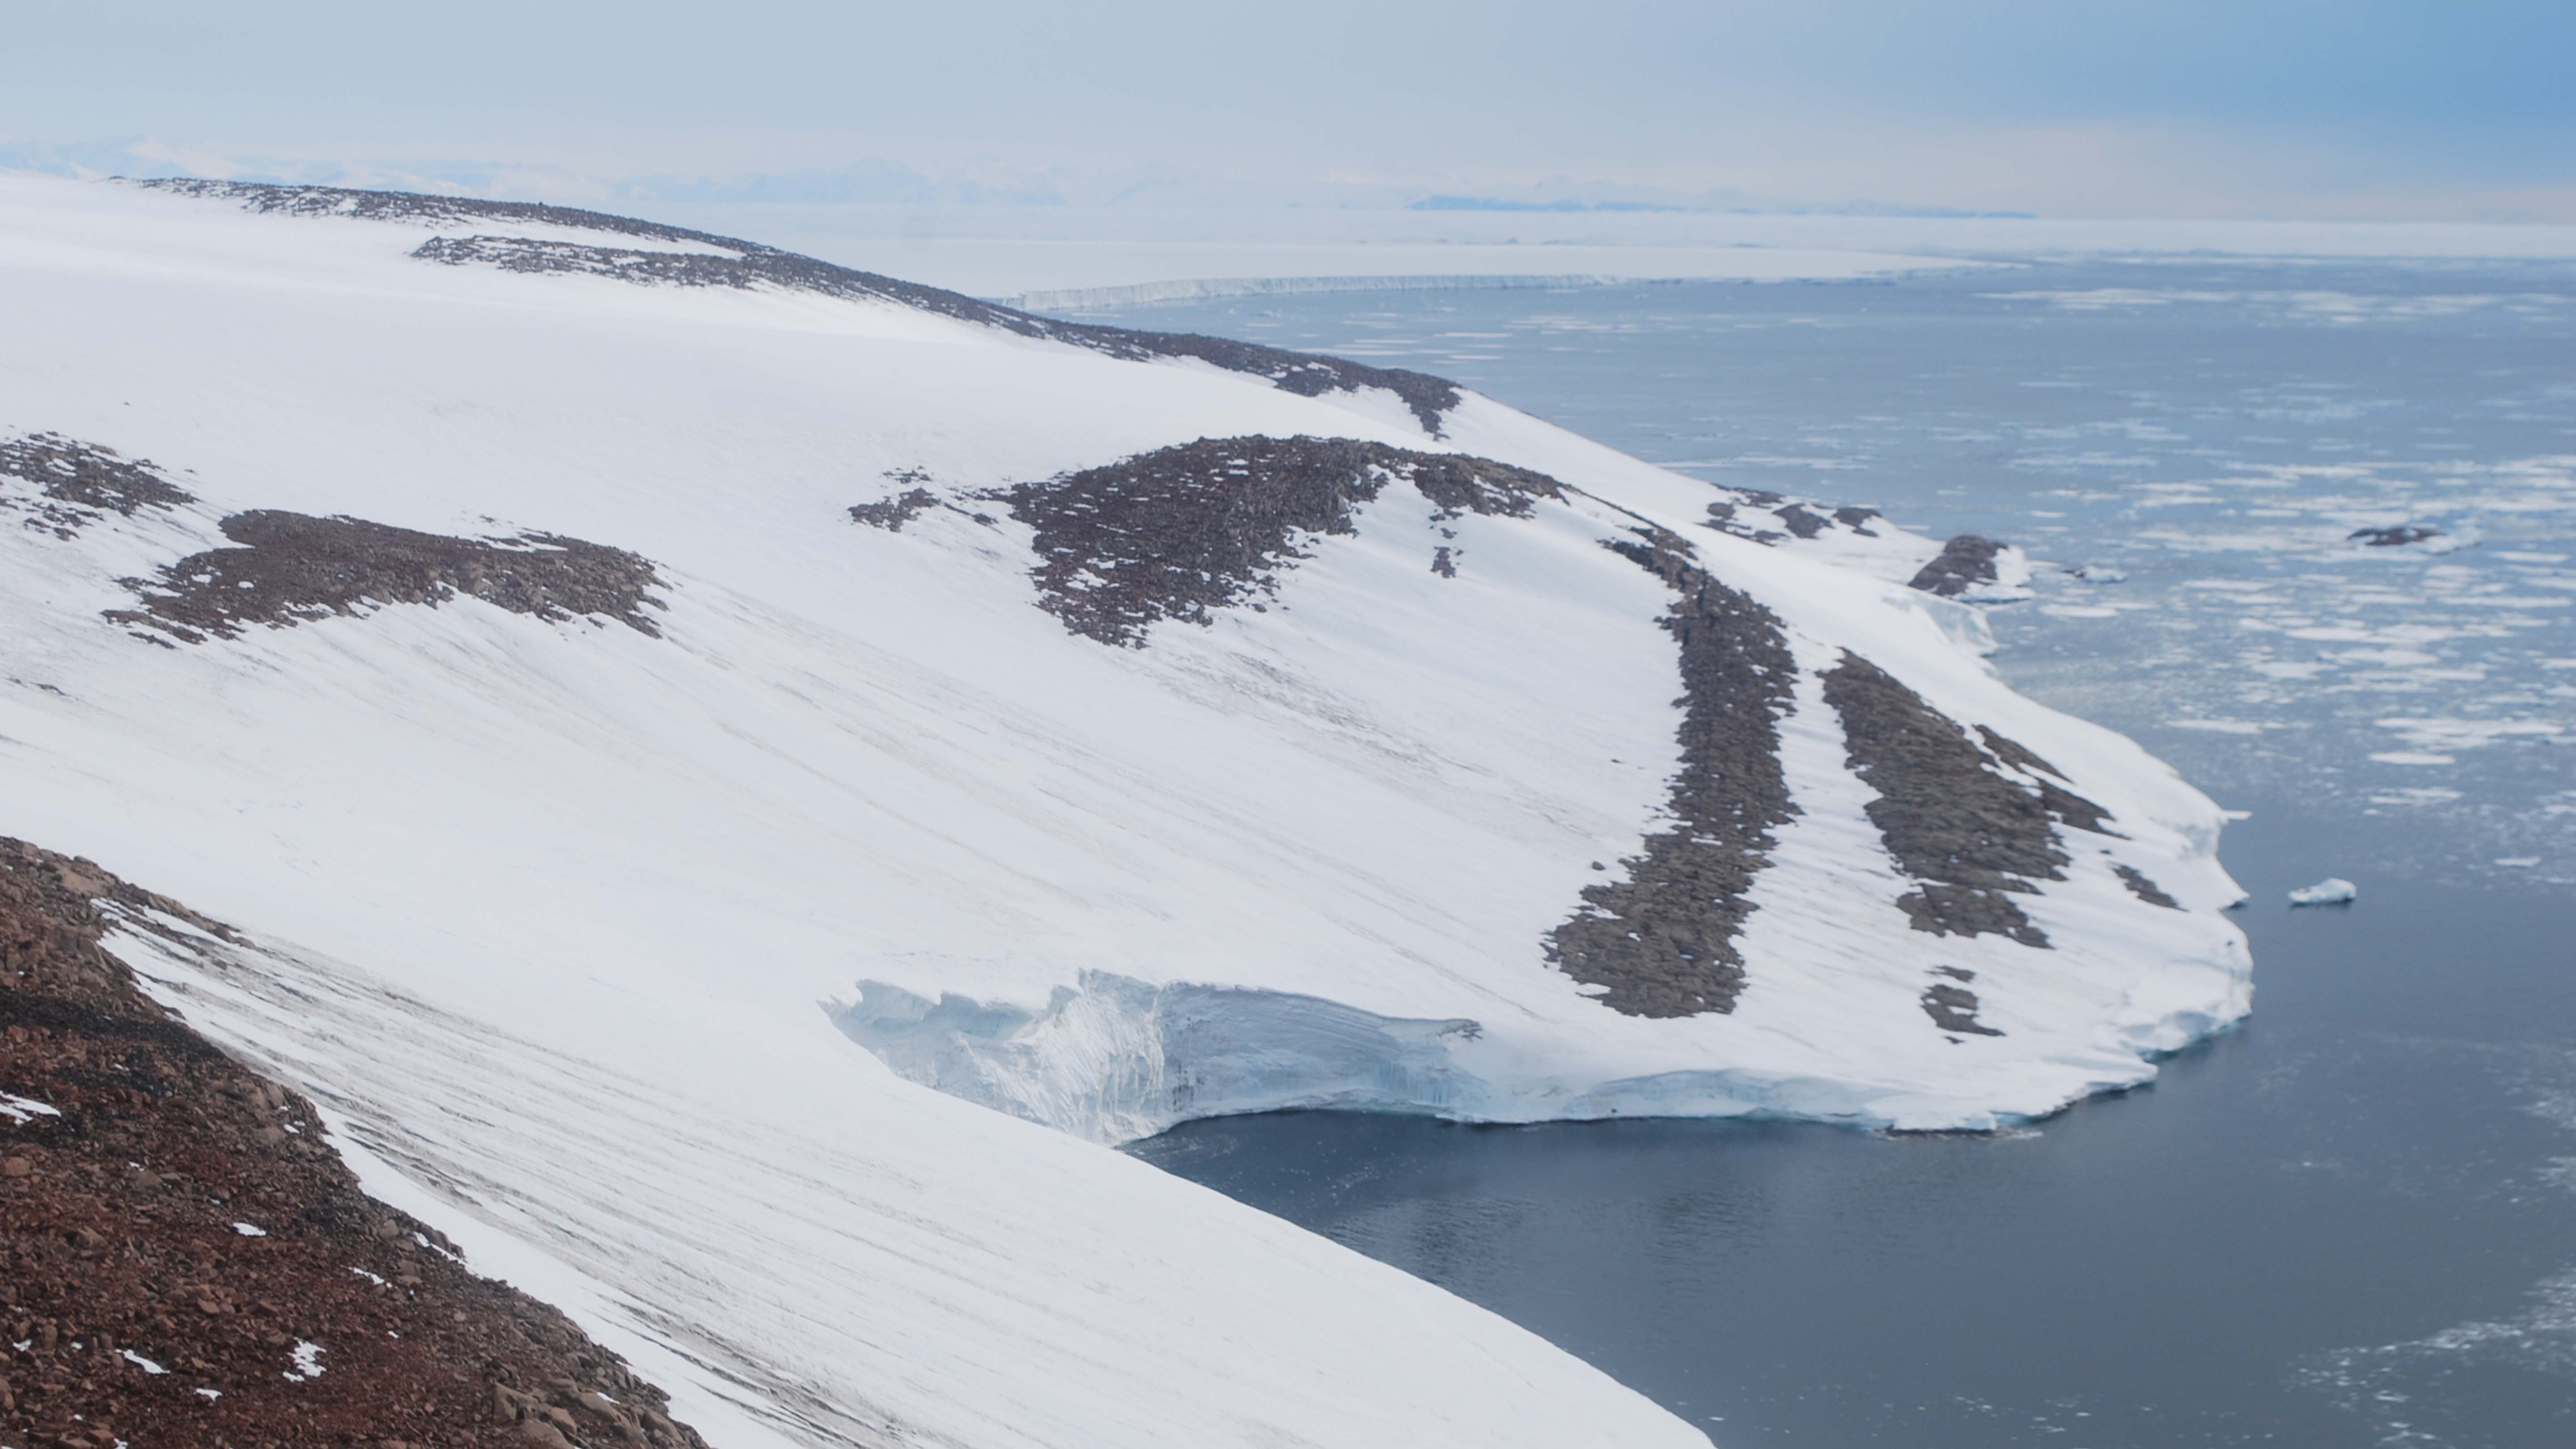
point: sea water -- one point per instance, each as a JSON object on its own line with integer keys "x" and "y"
{"x": 2353, "y": 1221}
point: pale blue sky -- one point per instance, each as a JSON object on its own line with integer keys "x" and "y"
{"x": 2081, "y": 107}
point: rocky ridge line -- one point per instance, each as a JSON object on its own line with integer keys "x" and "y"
{"x": 751, "y": 264}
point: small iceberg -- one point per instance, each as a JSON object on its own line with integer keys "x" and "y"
{"x": 2099, "y": 574}
{"x": 2332, "y": 891}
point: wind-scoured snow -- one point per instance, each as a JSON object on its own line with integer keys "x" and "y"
{"x": 633, "y": 955}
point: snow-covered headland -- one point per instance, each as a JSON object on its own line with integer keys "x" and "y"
{"x": 613, "y": 675}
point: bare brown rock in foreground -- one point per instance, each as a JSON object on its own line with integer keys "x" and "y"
{"x": 185, "y": 1260}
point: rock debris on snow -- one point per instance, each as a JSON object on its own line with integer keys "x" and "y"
{"x": 1970, "y": 837}
{"x": 1181, "y": 532}
{"x": 292, "y": 569}
{"x": 1662, "y": 939}
{"x": 75, "y": 484}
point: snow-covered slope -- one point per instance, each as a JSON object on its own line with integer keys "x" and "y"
{"x": 619, "y": 675}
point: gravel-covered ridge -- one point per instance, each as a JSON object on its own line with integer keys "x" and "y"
{"x": 1662, "y": 938}
{"x": 1967, "y": 834}
{"x": 186, "y": 1261}
{"x": 742, "y": 264}
{"x": 1184, "y": 531}
{"x": 77, "y": 484}
{"x": 292, "y": 568}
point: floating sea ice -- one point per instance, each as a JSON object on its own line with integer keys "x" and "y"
{"x": 2099, "y": 574}
{"x": 2334, "y": 890}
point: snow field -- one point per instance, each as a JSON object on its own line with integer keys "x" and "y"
{"x": 560, "y": 919}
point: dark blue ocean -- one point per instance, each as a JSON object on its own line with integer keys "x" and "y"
{"x": 2350, "y": 1222}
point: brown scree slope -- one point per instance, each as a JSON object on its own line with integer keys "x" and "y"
{"x": 148, "y": 1317}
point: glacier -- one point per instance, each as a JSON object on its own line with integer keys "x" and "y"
{"x": 749, "y": 776}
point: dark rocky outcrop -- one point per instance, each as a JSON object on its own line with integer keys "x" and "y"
{"x": 1963, "y": 563}
{"x": 1800, "y": 522}
{"x": 76, "y": 484}
{"x": 1728, "y": 518}
{"x": 292, "y": 568}
{"x": 2143, "y": 888}
{"x": 717, "y": 261}
{"x": 1954, "y": 1008}
{"x": 1662, "y": 940}
{"x": 891, "y": 514}
{"x": 2069, "y": 807}
{"x": 1737, "y": 514}
{"x": 1967, "y": 834}
{"x": 148, "y": 1317}
{"x": 1183, "y": 531}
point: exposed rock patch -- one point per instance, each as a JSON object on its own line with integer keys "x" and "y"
{"x": 1963, "y": 563}
{"x": 1968, "y": 835}
{"x": 2069, "y": 807}
{"x": 2396, "y": 537}
{"x": 2143, "y": 888}
{"x": 1185, "y": 531}
{"x": 76, "y": 484}
{"x": 726, "y": 262}
{"x": 1728, "y": 518}
{"x": 1747, "y": 513}
{"x": 188, "y": 1261}
{"x": 1663, "y": 939}
{"x": 1181, "y": 532}
{"x": 2015, "y": 754}
{"x": 891, "y": 514}
{"x": 1801, "y": 523}
{"x": 1954, "y": 1008}
{"x": 292, "y": 568}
